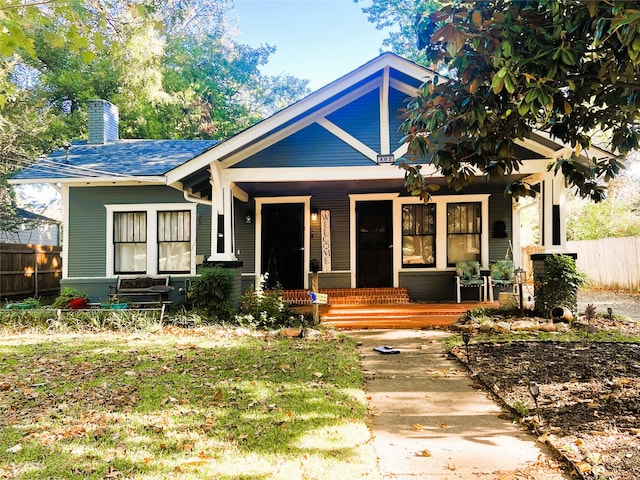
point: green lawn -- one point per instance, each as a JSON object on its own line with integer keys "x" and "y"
{"x": 205, "y": 403}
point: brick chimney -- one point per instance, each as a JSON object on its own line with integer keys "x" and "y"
{"x": 103, "y": 121}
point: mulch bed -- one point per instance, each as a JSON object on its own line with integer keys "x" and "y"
{"x": 588, "y": 408}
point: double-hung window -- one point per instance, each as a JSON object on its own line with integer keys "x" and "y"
{"x": 174, "y": 241}
{"x": 130, "y": 242}
{"x": 151, "y": 238}
{"x": 464, "y": 231}
{"x": 419, "y": 235}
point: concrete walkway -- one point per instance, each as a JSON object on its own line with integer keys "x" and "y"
{"x": 429, "y": 421}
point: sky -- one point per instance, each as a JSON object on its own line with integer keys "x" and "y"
{"x": 317, "y": 40}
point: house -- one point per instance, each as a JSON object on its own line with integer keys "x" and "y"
{"x": 32, "y": 228}
{"x": 314, "y": 186}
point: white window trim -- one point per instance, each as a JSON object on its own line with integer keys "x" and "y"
{"x": 152, "y": 210}
{"x": 441, "y": 202}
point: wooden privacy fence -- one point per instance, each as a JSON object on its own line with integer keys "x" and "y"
{"x": 610, "y": 263}
{"x": 29, "y": 270}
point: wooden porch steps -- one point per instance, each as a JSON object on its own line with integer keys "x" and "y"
{"x": 412, "y": 315}
{"x": 378, "y": 308}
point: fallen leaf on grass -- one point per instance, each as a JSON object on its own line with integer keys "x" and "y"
{"x": 197, "y": 461}
{"x": 15, "y": 449}
{"x": 584, "y": 467}
{"x": 217, "y": 396}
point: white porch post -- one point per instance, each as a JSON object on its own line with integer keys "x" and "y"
{"x": 554, "y": 236}
{"x": 221, "y": 216}
{"x": 516, "y": 245}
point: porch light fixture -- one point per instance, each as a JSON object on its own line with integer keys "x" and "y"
{"x": 314, "y": 214}
{"x": 248, "y": 218}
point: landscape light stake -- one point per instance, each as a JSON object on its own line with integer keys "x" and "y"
{"x": 534, "y": 390}
{"x": 520, "y": 278}
{"x": 465, "y": 338}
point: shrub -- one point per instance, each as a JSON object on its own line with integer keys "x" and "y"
{"x": 559, "y": 287}
{"x": 211, "y": 292}
{"x": 264, "y": 308}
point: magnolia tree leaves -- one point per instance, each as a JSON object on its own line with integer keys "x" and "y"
{"x": 565, "y": 67}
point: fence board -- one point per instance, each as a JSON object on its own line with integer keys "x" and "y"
{"x": 29, "y": 270}
{"x": 610, "y": 263}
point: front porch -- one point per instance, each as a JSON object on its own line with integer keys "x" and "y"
{"x": 380, "y": 308}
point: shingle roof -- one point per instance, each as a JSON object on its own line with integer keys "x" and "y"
{"x": 119, "y": 158}
{"x": 27, "y": 215}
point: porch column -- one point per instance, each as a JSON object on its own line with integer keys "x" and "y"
{"x": 554, "y": 231}
{"x": 221, "y": 217}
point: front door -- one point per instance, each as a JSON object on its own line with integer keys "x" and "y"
{"x": 374, "y": 237}
{"x": 283, "y": 244}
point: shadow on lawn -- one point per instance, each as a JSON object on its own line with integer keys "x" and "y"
{"x": 236, "y": 408}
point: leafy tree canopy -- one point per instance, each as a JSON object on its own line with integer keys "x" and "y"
{"x": 171, "y": 66}
{"x": 400, "y": 16}
{"x": 566, "y": 67}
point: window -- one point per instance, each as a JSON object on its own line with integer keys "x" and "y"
{"x": 174, "y": 241}
{"x": 419, "y": 235}
{"x": 464, "y": 230}
{"x": 151, "y": 238}
{"x": 130, "y": 242}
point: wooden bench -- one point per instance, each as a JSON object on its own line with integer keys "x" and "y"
{"x": 142, "y": 291}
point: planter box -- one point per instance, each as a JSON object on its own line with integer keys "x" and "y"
{"x": 114, "y": 306}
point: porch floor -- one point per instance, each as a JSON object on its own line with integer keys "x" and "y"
{"x": 364, "y": 312}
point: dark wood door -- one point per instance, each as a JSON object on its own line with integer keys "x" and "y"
{"x": 374, "y": 238}
{"x": 283, "y": 244}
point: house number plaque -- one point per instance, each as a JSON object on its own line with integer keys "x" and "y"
{"x": 386, "y": 158}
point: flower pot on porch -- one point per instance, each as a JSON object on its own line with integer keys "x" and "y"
{"x": 78, "y": 303}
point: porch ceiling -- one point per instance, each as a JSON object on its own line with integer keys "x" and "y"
{"x": 266, "y": 189}
{"x": 199, "y": 186}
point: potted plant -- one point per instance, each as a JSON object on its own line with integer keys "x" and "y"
{"x": 26, "y": 304}
{"x": 110, "y": 304}
{"x": 72, "y": 299}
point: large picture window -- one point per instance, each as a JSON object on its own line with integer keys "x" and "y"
{"x": 464, "y": 230}
{"x": 130, "y": 242}
{"x": 174, "y": 241}
{"x": 419, "y": 235}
